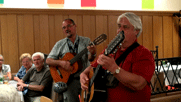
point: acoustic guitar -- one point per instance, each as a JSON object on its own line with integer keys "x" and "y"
{"x": 88, "y": 95}
{"x": 61, "y": 75}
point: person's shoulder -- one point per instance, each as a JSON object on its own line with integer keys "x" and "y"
{"x": 143, "y": 51}
{"x": 32, "y": 68}
{"x": 84, "y": 38}
{"x": 22, "y": 68}
{"x": 46, "y": 67}
{"x": 32, "y": 65}
{"x": 61, "y": 42}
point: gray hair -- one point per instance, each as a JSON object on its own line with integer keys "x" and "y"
{"x": 2, "y": 56}
{"x": 38, "y": 54}
{"x": 133, "y": 19}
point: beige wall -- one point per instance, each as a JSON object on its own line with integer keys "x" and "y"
{"x": 32, "y": 30}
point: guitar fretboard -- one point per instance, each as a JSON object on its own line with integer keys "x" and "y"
{"x": 79, "y": 55}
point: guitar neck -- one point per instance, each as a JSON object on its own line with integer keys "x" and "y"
{"x": 78, "y": 56}
{"x": 94, "y": 76}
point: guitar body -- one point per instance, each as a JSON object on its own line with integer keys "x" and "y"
{"x": 65, "y": 75}
{"x": 61, "y": 75}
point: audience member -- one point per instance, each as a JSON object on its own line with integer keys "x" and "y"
{"x": 9, "y": 94}
{"x": 39, "y": 78}
{"x": 26, "y": 61}
{"x": 4, "y": 68}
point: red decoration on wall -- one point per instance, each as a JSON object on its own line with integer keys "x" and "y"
{"x": 88, "y": 3}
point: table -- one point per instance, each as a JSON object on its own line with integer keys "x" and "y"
{"x": 14, "y": 84}
{"x": 171, "y": 72}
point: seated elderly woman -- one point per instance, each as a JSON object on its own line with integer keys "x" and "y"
{"x": 26, "y": 61}
{"x": 4, "y": 68}
{"x": 9, "y": 93}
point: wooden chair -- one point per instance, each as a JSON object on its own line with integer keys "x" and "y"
{"x": 45, "y": 99}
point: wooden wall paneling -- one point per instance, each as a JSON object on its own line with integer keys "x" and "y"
{"x": 79, "y": 24}
{"x": 36, "y": 33}
{"x": 58, "y": 29}
{"x": 158, "y": 34}
{"x": 147, "y": 32}
{"x": 92, "y": 35}
{"x": 176, "y": 40}
{"x": 5, "y": 38}
{"x": 88, "y": 26}
{"x": 112, "y": 28}
{"x": 140, "y": 37}
{"x": 101, "y": 27}
{"x": 44, "y": 35}
{"x": 167, "y": 37}
{"x": 52, "y": 35}
{"x": 21, "y": 35}
{"x": 12, "y": 51}
{"x": 25, "y": 34}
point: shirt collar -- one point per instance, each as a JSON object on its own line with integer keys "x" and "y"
{"x": 76, "y": 39}
{"x": 127, "y": 47}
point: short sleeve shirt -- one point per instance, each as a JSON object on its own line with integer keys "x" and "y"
{"x": 141, "y": 62}
{"x": 34, "y": 77}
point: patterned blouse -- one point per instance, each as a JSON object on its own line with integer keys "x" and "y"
{"x": 22, "y": 72}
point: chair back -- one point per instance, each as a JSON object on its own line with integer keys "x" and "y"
{"x": 45, "y": 99}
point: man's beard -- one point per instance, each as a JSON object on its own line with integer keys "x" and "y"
{"x": 69, "y": 35}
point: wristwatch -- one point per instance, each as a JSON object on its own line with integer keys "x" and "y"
{"x": 27, "y": 85}
{"x": 117, "y": 70}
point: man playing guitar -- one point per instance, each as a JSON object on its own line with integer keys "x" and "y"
{"x": 132, "y": 73}
{"x": 73, "y": 44}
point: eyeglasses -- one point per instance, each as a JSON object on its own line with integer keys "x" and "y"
{"x": 68, "y": 26}
{"x": 1, "y": 60}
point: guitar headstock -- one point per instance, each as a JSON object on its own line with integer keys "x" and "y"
{"x": 99, "y": 39}
{"x": 114, "y": 43}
